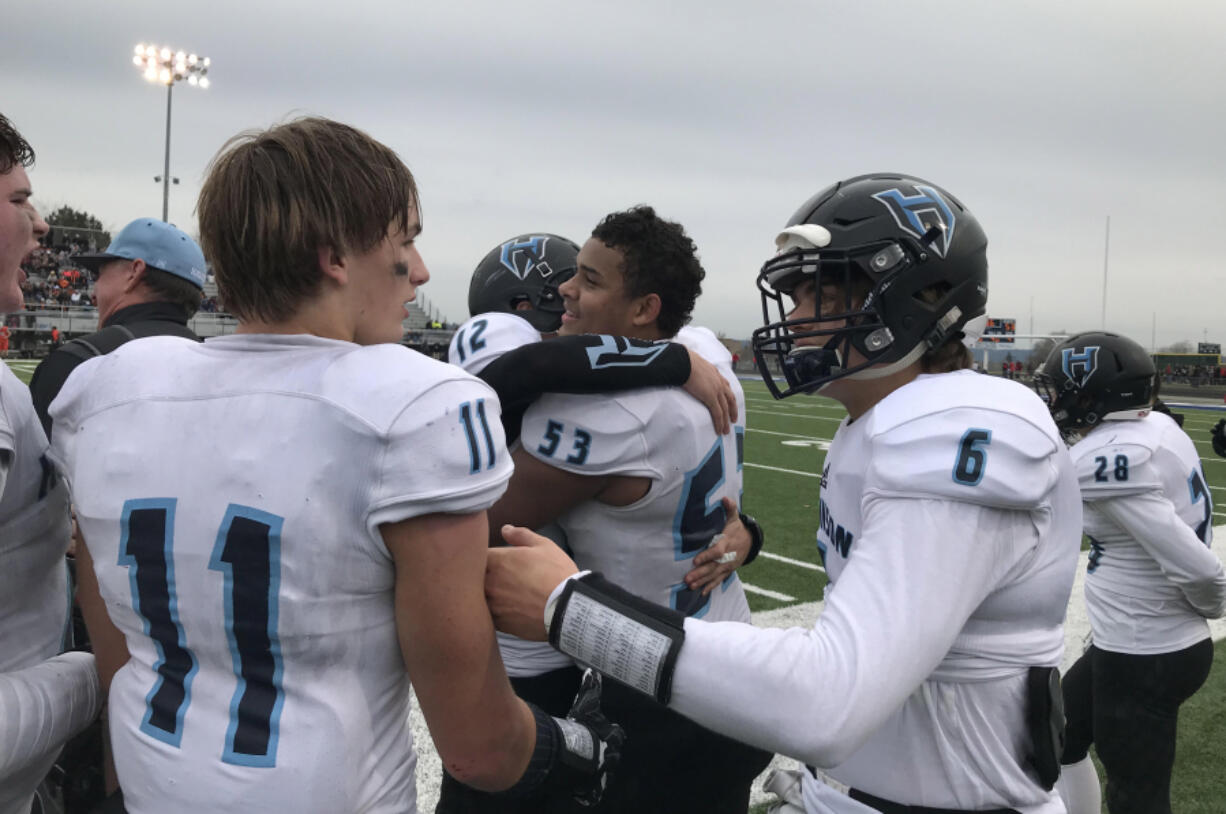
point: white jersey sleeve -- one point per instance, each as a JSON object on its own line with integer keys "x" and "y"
{"x": 896, "y": 612}
{"x": 1118, "y": 470}
{"x": 1150, "y": 519}
{"x": 446, "y": 453}
{"x": 34, "y": 535}
{"x": 588, "y": 435}
{"x": 485, "y": 337}
{"x": 41, "y": 707}
{"x": 954, "y": 455}
{"x": 6, "y": 445}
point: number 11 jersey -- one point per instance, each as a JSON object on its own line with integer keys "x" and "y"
{"x": 230, "y": 494}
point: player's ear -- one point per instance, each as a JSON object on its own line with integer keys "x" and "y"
{"x": 646, "y": 309}
{"x": 332, "y": 265}
{"x": 136, "y": 276}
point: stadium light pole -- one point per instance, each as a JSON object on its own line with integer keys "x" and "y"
{"x": 166, "y": 66}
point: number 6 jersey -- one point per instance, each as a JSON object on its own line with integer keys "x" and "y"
{"x": 949, "y": 519}
{"x": 230, "y": 494}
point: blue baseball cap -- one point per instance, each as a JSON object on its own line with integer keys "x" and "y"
{"x": 161, "y": 245}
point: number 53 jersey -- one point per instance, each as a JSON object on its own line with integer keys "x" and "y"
{"x": 664, "y": 435}
{"x": 230, "y": 495}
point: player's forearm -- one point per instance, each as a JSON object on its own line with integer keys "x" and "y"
{"x": 813, "y": 694}
{"x": 41, "y": 707}
{"x": 578, "y": 364}
{"x": 495, "y": 759}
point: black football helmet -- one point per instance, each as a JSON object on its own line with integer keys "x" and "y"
{"x": 1093, "y": 377}
{"x": 910, "y": 262}
{"x": 528, "y": 268}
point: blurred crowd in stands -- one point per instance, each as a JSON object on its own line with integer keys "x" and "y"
{"x": 1195, "y": 375}
{"x": 54, "y": 281}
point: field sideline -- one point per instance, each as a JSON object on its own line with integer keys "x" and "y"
{"x": 785, "y": 446}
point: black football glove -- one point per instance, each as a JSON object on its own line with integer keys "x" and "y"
{"x": 593, "y": 744}
{"x": 1218, "y": 433}
{"x": 574, "y": 756}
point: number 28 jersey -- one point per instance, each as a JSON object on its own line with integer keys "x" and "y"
{"x": 230, "y": 494}
{"x": 1152, "y": 577}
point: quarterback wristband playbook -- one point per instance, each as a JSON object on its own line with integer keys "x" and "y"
{"x": 620, "y": 635}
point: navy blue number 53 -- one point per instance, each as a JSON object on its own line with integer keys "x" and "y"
{"x": 248, "y": 554}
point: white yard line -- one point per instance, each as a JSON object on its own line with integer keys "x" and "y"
{"x": 811, "y": 437}
{"x": 781, "y": 469}
{"x": 798, "y": 563}
{"x": 754, "y": 589}
{"x": 794, "y": 415}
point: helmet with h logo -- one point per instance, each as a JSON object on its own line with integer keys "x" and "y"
{"x": 1094, "y": 377}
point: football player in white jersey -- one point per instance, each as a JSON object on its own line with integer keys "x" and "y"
{"x": 45, "y": 698}
{"x": 514, "y": 301}
{"x": 636, "y": 481}
{"x": 949, "y": 521}
{"x": 263, "y": 602}
{"x": 1152, "y": 579}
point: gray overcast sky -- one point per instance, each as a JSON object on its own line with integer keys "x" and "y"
{"x": 1043, "y": 117}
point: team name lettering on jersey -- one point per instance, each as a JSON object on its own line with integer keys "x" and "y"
{"x": 832, "y": 531}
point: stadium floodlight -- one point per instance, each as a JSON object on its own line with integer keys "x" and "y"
{"x": 167, "y": 66}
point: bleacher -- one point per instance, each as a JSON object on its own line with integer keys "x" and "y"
{"x": 31, "y": 329}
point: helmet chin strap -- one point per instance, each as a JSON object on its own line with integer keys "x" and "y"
{"x": 881, "y": 372}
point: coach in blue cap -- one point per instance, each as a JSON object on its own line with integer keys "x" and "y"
{"x": 148, "y": 282}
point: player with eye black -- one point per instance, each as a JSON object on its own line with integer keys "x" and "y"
{"x": 949, "y": 521}
{"x": 259, "y": 608}
{"x": 1151, "y": 582}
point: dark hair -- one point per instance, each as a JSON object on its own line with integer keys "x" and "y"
{"x": 660, "y": 259}
{"x": 167, "y": 287}
{"x": 952, "y": 354}
{"x": 947, "y": 357}
{"x": 274, "y": 198}
{"x": 14, "y": 150}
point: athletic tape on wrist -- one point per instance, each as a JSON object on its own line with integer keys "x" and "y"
{"x": 578, "y": 745}
{"x": 621, "y": 635}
